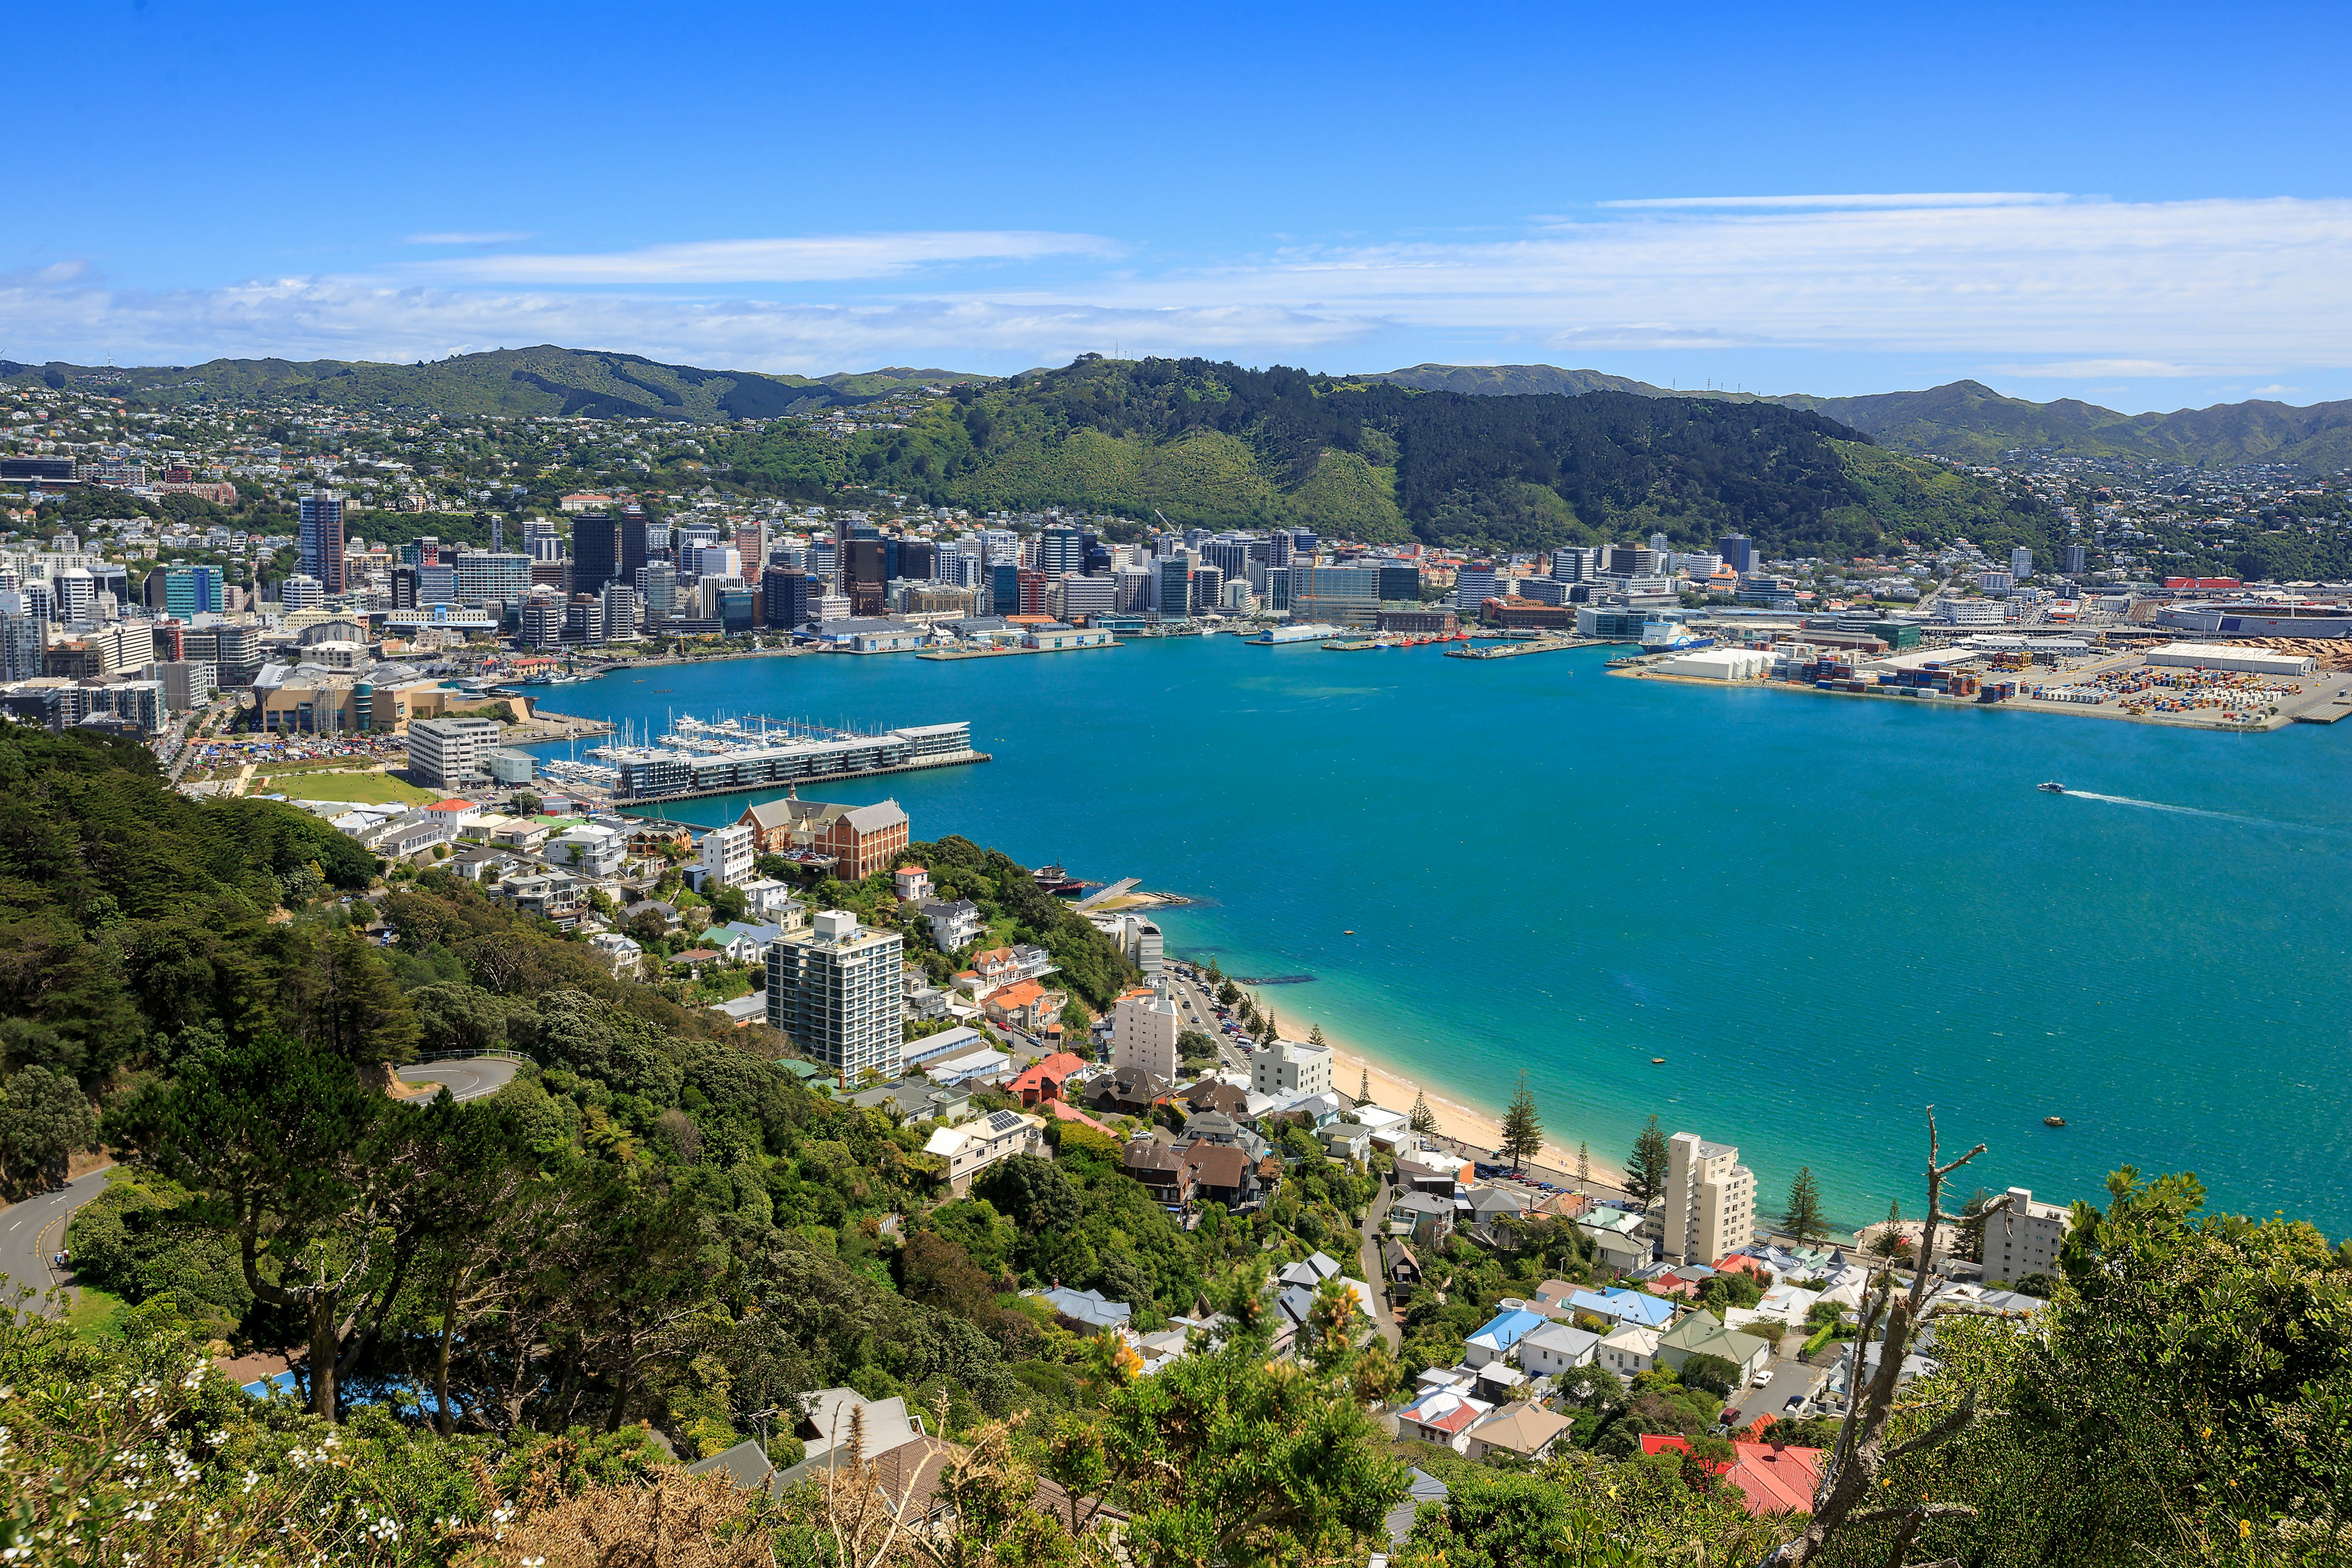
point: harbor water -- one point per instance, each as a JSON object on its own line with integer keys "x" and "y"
{"x": 1824, "y": 914}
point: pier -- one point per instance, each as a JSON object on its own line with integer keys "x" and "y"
{"x": 1541, "y": 645}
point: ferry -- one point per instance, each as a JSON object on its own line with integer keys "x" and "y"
{"x": 1282, "y": 636}
{"x": 1670, "y": 636}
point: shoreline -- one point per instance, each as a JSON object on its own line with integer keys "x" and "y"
{"x": 2262, "y": 726}
{"x": 1395, "y": 1090}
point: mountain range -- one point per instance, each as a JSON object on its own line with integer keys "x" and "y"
{"x": 1963, "y": 419}
{"x": 1969, "y": 421}
{"x": 542, "y": 380}
{"x": 1201, "y": 442}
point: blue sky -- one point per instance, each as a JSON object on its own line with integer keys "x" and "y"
{"x": 2143, "y": 206}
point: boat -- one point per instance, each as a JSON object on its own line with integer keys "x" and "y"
{"x": 1657, "y": 1061}
{"x": 1670, "y": 636}
{"x": 2053, "y": 1121}
{"x": 2052, "y": 786}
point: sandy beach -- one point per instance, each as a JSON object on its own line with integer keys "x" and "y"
{"x": 1484, "y": 1128}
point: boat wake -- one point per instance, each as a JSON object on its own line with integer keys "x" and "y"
{"x": 2200, "y": 811}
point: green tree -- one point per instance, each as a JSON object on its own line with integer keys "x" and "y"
{"x": 281, "y": 1148}
{"x": 1711, "y": 1372}
{"x": 1424, "y": 1120}
{"x": 1645, "y": 1169}
{"x": 1522, "y": 1128}
{"x": 44, "y": 1119}
{"x": 342, "y": 1000}
{"x": 1228, "y": 1457}
{"x": 1801, "y": 1217}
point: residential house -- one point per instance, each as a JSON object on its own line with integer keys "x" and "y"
{"x": 955, "y": 922}
{"x": 1624, "y": 1307}
{"x": 1213, "y": 1094}
{"x": 771, "y": 901}
{"x": 1703, "y": 1333}
{"x": 555, "y": 896}
{"x": 594, "y": 851}
{"x": 1399, "y": 1262}
{"x": 1222, "y": 1174}
{"x": 1126, "y": 1094}
{"x": 1000, "y": 966}
{"x": 1027, "y": 1006}
{"x": 625, "y": 955}
{"x": 1043, "y": 1080}
{"x": 1430, "y": 1171}
{"x": 750, "y": 1008}
{"x": 939, "y": 1047}
{"x": 1628, "y": 1348}
{"x": 1617, "y": 1233}
{"x": 1425, "y": 1216}
{"x": 1161, "y": 1170}
{"x": 1529, "y": 1431}
{"x": 1444, "y": 1418}
{"x": 666, "y": 913}
{"x": 910, "y": 884}
{"x": 1310, "y": 1272}
{"x": 1421, "y": 1487}
{"x": 1499, "y": 1336}
{"x": 741, "y": 943}
{"x": 974, "y": 1146}
{"x": 1347, "y": 1141}
{"x": 1772, "y": 1477}
{"x": 1556, "y": 1348}
{"x": 1085, "y": 1311}
{"x": 980, "y": 1065}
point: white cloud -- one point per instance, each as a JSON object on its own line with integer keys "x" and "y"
{"x": 1916, "y": 199}
{"x": 816, "y": 258}
{"x": 2019, "y": 285}
{"x": 494, "y": 237}
{"x": 348, "y": 319}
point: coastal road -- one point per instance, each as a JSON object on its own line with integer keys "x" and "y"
{"x": 32, "y": 1232}
{"x": 468, "y": 1078}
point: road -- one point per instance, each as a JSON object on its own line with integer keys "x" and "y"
{"x": 468, "y": 1078}
{"x": 33, "y": 1231}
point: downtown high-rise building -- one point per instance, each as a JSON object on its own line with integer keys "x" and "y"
{"x": 319, "y": 538}
{"x": 595, "y": 551}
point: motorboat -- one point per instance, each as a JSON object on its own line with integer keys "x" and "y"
{"x": 2053, "y": 787}
{"x": 2053, "y": 1121}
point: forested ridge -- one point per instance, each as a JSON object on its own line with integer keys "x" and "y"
{"x": 1216, "y": 444}
{"x": 519, "y": 1312}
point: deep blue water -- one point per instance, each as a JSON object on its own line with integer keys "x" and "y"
{"x": 1825, "y": 914}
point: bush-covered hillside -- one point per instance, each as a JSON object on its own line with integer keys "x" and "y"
{"x": 1215, "y": 443}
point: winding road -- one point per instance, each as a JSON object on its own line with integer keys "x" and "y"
{"x": 468, "y": 1078}
{"x": 31, "y": 1232}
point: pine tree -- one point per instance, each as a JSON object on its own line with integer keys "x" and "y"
{"x": 1315, "y": 1035}
{"x": 1646, "y": 1171}
{"x": 1802, "y": 1219}
{"x": 1424, "y": 1120}
{"x": 1364, "y": 1088}
{"x": 1583, "y": 1165}
{"x": 1522, "y": 1131}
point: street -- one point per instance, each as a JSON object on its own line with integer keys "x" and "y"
{"x": 33, "y": 1231}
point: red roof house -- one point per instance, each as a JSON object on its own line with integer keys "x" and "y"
{"x": 1043, "y": 1080}
{"x": 1772, "y": 1477}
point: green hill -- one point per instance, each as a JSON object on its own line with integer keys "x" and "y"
{"x": 1969, "y": 420}
{"x": 542, "y": 380}
{"x": 1215, "y": 443}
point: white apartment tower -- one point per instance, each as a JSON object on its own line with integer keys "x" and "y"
{"x": 450, "y": 753}
{"x": 727, "y": 855}
{"x": 836, "y": 990}
{"x": 2022, "y": 1236}
{"x": 1710, "y": 1208}
{"x": 1292, "y": 1068}
{"x": 1143, "y": 1032}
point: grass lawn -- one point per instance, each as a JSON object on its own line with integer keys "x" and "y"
{"x": 95, "y": 1315}
{"x": 367, "y": 789}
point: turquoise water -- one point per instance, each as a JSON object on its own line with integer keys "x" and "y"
{"x": 1824, "y": 914}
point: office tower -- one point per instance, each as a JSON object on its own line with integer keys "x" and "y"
{"x": 20, "y": 640}
{"x": 1030, "y": 590}
{"x": 620, "y": 603}
{"x": 1061, "y": 549}
{"x": 635, "y": 542}
{"x": 1400, "y": 585}
{"x": 1710, "y": 1208}
{"x": 1277, "y": 548}
{"x": 1274, "y": 595}
{"x": 1738, "y": 552}
{"x": 1658, "y": 543}
{"x": 862, "y": 578}
{"x": 836, "y": 991}
{"x": 2021, "y": 563}
{"x": 657, "y": 590}
{"x": 498, "y": 529}
{"x": 1633, "y": 561}
{"x": 1208, "y": 588}
{"x": 595, "y": 551}
{"x": 320, "y": 537}
{"x": 1175, "y": 583}
{"x": 485, "y": 576}
{"x": 302, "y": 592}
{"x": 2074, "y": 559}
{"x": 1005, "y": 589}
{"x": 918, "y": 560}
{"x": 1474, "y": 585}
{"x": 192, "y": 591}
{"x": 403, "y": 587}
{"x": 788, "y": 598}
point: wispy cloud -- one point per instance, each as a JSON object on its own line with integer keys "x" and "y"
{"x": 2015, "y": 284}
{"x": 487, "y": 237}
{"x": 816, "y": 258}
{"x": 1916, "y": 199}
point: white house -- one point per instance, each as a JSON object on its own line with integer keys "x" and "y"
{"x": 1628, "y": 1348}
{"x": 1556, "y": 1348}
{"x": 622, "y": 953}
{"x": 593, "y": 851}
{"x": 976, "y": 1145}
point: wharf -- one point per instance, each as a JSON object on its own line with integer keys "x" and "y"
{"x": 1513, "y": 649}
{"x": 956, "y": 761}
{"x": 1008, "y": 652}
